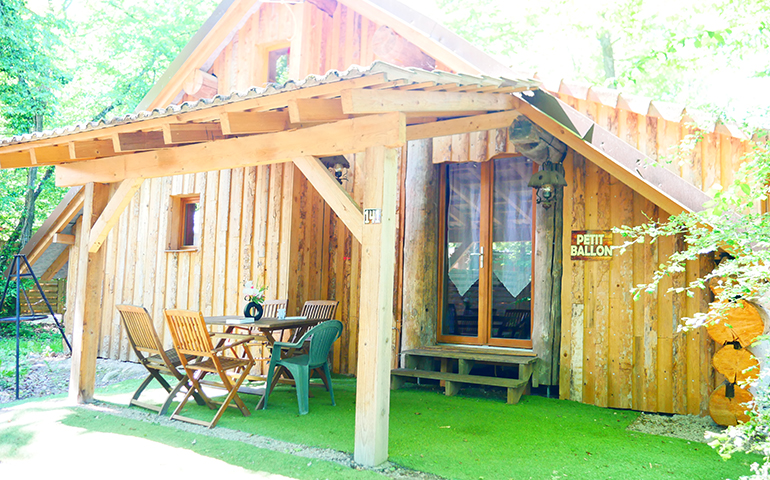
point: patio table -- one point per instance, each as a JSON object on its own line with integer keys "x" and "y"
{"x": 266, "y": 327}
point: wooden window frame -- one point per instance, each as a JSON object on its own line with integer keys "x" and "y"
{"x": 271, "y": 55}
{"x": 484, "y": 337}
{"x": 177, "y": 225}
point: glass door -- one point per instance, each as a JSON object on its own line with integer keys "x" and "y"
{"x": 463, "y": 253}
{"x": 486, "y": 267}
{"x": 512, "y": 240}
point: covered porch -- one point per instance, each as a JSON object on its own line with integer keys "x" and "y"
{"x": 271, "y": 143}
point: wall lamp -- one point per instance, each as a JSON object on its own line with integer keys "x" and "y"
{"x": 338, "y": 164}
{"x": 545, "y": 182}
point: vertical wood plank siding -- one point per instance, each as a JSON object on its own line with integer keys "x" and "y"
{"x": 264, "y": 223}
{"x": 268, "y": 224}
{"x": 618, "y": 352}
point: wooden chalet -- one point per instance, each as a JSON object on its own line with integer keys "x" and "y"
{"x": 429, "y": 236}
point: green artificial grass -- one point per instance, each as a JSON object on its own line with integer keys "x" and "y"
{"x": 232, "y": 452}
{"x": 468, "y": 437}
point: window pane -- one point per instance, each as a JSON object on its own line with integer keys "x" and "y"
{"x": 512, "y": 249}
{"x": 189, "y": 228}
{"x": 462, "y": 252}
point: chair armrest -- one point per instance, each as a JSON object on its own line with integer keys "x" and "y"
{"x": 240, "y": 336}
{"x": 231, "y": 345}
{"x": 288, "y": 345}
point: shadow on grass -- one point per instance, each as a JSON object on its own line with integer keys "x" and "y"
{"x": 233, "y": 452}
{"x": 468, "y": 437}
{"x": 12, "y": 440}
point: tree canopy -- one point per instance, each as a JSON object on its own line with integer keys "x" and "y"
{"x": 713, "y": 55}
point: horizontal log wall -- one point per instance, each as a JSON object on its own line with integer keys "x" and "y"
{"x": 618, "y": 352}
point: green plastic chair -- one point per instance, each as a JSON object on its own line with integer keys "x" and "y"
{"x": 317, "y": 358}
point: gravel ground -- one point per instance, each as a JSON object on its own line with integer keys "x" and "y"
{"x": 688, "y": 427}
{"x": 50, "y": 375}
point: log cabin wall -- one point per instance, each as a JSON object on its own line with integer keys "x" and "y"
{"x": 268, "y": 222}
{"x": 263, "y": 222}
{"x": 714, "y": 160}
{"x": 617, "y": 352}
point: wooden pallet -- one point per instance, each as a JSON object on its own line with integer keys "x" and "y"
{"x": 420, "y": 361}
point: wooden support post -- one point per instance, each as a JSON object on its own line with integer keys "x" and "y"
{"x": 111, "y": 213}
{"x": 420, "y": 302}
{"x": 88, "y": 291}
{"x": 376, "y": 313}
{"x": 546, "y": 331}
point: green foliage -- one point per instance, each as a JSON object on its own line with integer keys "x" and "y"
{"x": 120, "y": 51}
{"x": 711, "y": 55}
{"x": 734, "y": 228}
{"x": 30, "y": 74}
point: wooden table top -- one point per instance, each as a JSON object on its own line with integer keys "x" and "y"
{"x": 265, "y": 323}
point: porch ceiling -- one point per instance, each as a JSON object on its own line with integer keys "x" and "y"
{"x": 333, "y": 114}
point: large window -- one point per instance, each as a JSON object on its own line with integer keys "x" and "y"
{"x": 486, "y": 269}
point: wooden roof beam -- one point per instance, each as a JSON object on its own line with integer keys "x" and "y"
{"x": 315, "y": 110}
{"x": 332, "y": 192}
{"x": 64, "y": 239}
{"x": 346, "y": 136}
{"x": 176, "y": 133}
{"x": 243, "y": 123}
{"x": 91, "y": 149}
{"x": 64, "y": 213}
{"x": 57, "y": 265}
{"x": 357, "y": 102}
{"x": 16, "y": 159}
{"x": 52, "y": 155}
{"x": 455, "y": 126}
{"x": 260, "y": 104}
{"x": 138, "y": 141}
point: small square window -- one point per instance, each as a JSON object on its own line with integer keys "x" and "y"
{"x": 185, "y": 223}
{"x": 278, "y": 65}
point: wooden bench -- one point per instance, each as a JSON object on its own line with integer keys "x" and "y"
{"x": 419, "y": 364}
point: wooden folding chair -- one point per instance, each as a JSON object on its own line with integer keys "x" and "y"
{"x": 271, "y": 307}
{"x": 146, "y": 344}
{"x": 188, "y": 331}
{"x": 320, "y": 309}
{"x": 316, "y": 310}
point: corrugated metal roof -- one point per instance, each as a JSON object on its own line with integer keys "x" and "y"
{"x": 392, "y": 73}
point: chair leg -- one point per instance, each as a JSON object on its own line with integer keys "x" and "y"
{"x": 232, "y": 395}
{"x": 183, "y": 382}
{"x": 141, "y": 388}
{"x": 328, "y": 377}
{"x": 268, "y": 384}
{"x": 302, "y": 382}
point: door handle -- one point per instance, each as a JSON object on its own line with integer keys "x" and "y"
{"x": 480, "y": 254}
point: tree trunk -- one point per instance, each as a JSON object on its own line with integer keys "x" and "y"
{"x": 608, "y": 56}
{"x": 546, "y": 331}
{"x": 420, "y": 284}
{"x": 737, "y": 364}
{"x": 741, "y": 324}
{"x": 28, "y": 214}
{"x": 729, "y": 409}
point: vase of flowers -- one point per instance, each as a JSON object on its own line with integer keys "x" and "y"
{"x": 254, "y": 297}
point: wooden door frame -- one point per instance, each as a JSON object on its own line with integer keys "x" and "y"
{"x": 483, "y": 336}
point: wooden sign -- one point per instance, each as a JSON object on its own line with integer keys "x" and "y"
{"x": 591, "y": 245}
